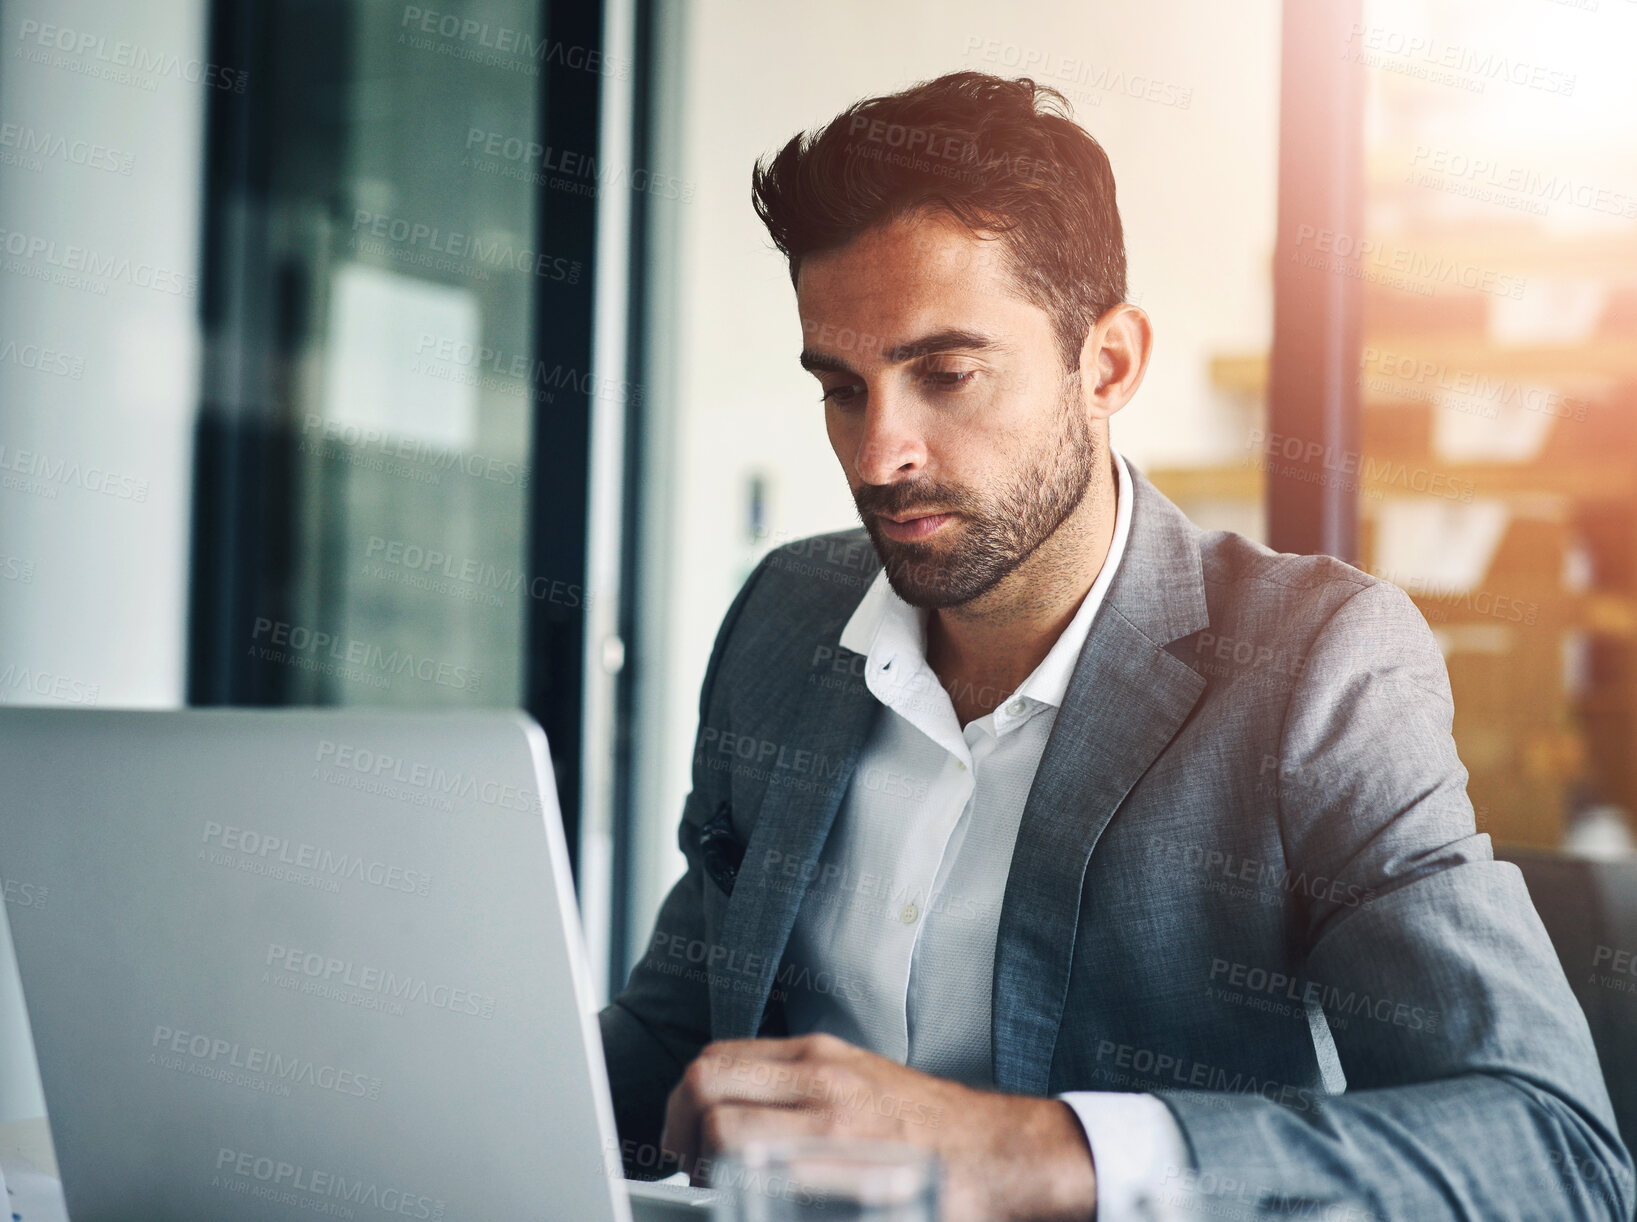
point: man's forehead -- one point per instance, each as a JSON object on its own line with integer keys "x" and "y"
{"x": 920, "y": 247}
{"x": 902, "y": 288}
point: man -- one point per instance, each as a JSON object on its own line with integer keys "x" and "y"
{"x": 1124, "y": 864}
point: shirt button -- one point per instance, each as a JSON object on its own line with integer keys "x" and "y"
{"x": 961, "y": 764}
{"x": 909, "y": 914}
{"x": 1016, "y": 708}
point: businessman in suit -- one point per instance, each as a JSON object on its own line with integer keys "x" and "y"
{"x": 1125, "y": 864}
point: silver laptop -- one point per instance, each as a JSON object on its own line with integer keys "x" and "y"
{"x": 305, "y": 963}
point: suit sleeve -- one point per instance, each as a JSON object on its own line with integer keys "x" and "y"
{"x": 1472, "y": 1089}
{"x": 660, "y": 1021}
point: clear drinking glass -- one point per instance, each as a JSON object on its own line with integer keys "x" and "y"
{"x": 804, "y": 1179}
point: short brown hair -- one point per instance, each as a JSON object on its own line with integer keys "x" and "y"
{"x": 1000, "y": 155}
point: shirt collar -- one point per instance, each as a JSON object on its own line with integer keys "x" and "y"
{"x": 885, "y": 627}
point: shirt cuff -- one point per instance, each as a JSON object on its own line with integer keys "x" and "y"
{"x": 1136, "y": 1145}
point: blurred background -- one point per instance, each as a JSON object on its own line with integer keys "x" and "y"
{"x": 355, "y": 352}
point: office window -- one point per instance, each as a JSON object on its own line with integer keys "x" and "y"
{"x": 393, "y": 483}
{"x": 1493, "y": 468}
{"x": 378, "y": 269}
{"x": 1498, "y": 383}
{"x": 422, "y": 271}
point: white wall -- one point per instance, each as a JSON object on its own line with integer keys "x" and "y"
{"x": 1197, "y": 188}
{"x": 98, "y": 376}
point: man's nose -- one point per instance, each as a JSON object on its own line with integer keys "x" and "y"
{"x": 891, "y": 447}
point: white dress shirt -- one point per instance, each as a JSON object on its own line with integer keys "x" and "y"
{"x": 894, "y": 946}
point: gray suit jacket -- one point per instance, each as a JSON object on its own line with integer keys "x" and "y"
{"x": 1247, "y": 880}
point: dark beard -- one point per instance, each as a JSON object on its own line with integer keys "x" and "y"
{"x": 993, "y": 537}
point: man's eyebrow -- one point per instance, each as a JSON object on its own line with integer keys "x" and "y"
{"x": 817, "y": 362}
{"x": 938, "y": 341}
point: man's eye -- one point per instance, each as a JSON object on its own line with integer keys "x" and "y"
{"x": 839, "y": 394}
{"x": 948, "y": 379}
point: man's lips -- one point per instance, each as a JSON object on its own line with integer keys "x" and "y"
{"x": 911, "y": 529}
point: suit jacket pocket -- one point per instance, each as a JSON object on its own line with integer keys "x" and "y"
{"x": 720, "y": 849}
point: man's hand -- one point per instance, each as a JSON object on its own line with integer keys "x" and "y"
{"x": 1004, "y": 1156}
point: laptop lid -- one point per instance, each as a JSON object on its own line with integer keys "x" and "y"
{"x": 304, "y": 963}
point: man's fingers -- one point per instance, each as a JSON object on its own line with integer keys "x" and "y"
{"x": 777, "y": 1072}
{"x": 729, "y": 1125}
{"x": 792, "y": 1048}
{"x": 762, "y": 1072}
{"x": 773, "y": 1083}
{"x": 680, "y": 1135}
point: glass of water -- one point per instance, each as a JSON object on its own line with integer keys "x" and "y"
{"x": 810, "y": 1178}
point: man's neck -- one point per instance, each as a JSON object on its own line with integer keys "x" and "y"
{"x": 983, "y": 650}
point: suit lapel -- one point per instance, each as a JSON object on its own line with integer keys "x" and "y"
{"x": 832, "y": 719}
{"x": 1126, "y": 701}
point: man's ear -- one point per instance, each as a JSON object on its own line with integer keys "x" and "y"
{"x": 1114, "y": 359}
